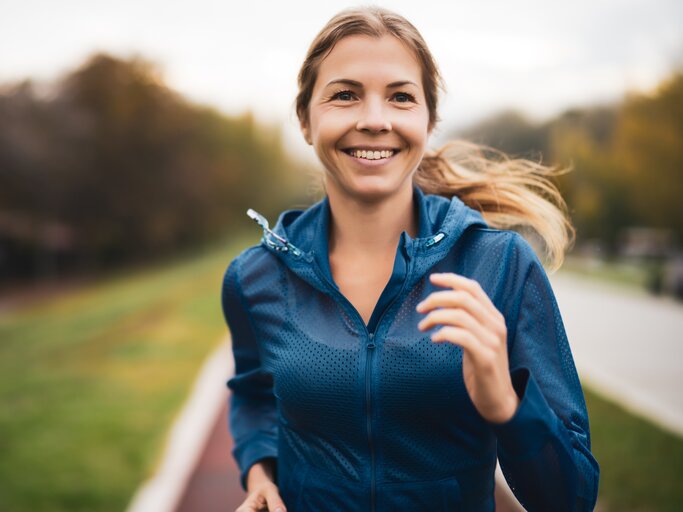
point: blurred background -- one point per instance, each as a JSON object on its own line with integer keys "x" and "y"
{"x": 134, "y": 136}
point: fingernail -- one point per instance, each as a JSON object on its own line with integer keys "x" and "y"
{"x": 279, "y": 509}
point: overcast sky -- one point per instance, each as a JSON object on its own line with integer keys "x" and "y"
{"x": 540, "y": 56}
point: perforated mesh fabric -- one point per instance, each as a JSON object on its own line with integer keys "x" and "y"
{"x": 392, "y": 425}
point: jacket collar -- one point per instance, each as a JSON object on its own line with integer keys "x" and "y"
{"x": 320, "y": 244}
{"x": 441, "y": 222}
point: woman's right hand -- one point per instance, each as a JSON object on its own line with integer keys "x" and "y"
{"x": 262, "y": 493}
{"x": 264, "y": 497}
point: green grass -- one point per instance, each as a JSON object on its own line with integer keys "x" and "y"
{"x": 641, "y": 466}
{"x": 90, "y": 381}
{"x": 630, "y": 275}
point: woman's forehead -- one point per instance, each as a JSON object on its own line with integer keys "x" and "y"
{"x": 361, "y": 57}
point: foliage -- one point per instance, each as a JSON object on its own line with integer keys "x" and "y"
{"x": 110, "y": 166}
{"x": 648, "y": 150}
{"x": 626, "y": 159}
{"x": 510, "y": 131}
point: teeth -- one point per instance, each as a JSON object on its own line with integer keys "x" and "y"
{"x": 371, "y": 155}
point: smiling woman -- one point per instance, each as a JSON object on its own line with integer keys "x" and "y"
{"x": 396, "y": 338}
{"x": 368, "y": 119}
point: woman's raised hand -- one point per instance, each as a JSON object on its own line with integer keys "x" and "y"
{"x": 263, "y": 495}
{"x": 471, "y": 320}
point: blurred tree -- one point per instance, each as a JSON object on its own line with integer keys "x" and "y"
{"x": 510, "y": 131}
{"x": 112, "y": 166}
{"x": 594, "y": 190}
{"x": 648, "y": 149}
{"x": 627, "y": 159}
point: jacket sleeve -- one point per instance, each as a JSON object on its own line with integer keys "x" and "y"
{"x": 252, "y": 410}
{"x": 544, "y": 449}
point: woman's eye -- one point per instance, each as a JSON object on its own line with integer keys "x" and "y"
{"x": 343, "y": 96}
{"x": 404, "y": 97}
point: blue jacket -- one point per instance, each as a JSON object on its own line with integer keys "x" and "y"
{"x": 376, "y": 417}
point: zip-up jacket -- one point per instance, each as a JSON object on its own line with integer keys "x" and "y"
{"x": 376, "y": 417}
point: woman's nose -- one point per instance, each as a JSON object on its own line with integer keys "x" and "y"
{"x": 373, "y": 117}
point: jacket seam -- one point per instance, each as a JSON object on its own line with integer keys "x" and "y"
{"x": 515, "y": 313}
{"x": 245, "y": 305}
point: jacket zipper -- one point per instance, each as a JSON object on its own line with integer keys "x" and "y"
{"x": 370, "y": 336}
{"x": 370, "y": 346}
{"x": 368, "y": 402}
{"x": 368, "y": 376}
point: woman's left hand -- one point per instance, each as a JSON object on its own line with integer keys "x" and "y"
{"x": 471, "y": 321}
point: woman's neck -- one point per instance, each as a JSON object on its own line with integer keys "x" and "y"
{"x": 371, "y": 228}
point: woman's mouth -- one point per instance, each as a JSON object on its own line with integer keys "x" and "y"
{"x": 371, "y": 154}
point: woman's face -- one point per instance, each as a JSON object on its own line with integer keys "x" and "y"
{"x": 368, "y": 119}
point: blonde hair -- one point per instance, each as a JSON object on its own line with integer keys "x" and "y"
{"x": 510, "y": 193}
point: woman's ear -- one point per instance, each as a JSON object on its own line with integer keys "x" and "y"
{"x": 306, "y": 132}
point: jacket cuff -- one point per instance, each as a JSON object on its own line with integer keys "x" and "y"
{"x": 531, "y": 427}
{"x": 253, "y": 452}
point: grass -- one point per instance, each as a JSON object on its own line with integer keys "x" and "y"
{"x": 641, "y": 466}
{"x": 631, "y": 275}
{"x": 90, "y": 382}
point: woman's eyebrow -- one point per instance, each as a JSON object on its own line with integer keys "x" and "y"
{"x": 401, "y": 83}
{"x": 345, "y": 81}
{"x": 354, "y": 83}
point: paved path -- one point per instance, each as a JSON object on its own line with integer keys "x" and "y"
{"x": 214, "y": 485}
{"x": 627, "y": 345}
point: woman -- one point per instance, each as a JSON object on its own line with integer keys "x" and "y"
{"x": 395, "y": 338}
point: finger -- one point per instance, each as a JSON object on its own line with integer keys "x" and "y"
{"x": 457, "y": 299}
{"x": 483, "y": 357}
{"x": 251, "y": 504}
{"x": 457, "y": 318}
{"x": 456, "y": 335}
{"x": 275, "y": 503}
{"x": 473, "y": 287}
{"x": 457, "y": 281}
{"x": 245, "y": 507}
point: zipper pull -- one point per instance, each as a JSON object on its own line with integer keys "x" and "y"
{"x": 371, "y": 343}
{"x": 284, "y": 245}
{"x": 435, "y": 239}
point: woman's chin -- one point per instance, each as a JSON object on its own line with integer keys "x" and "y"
{"x": 375, "y": 188}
